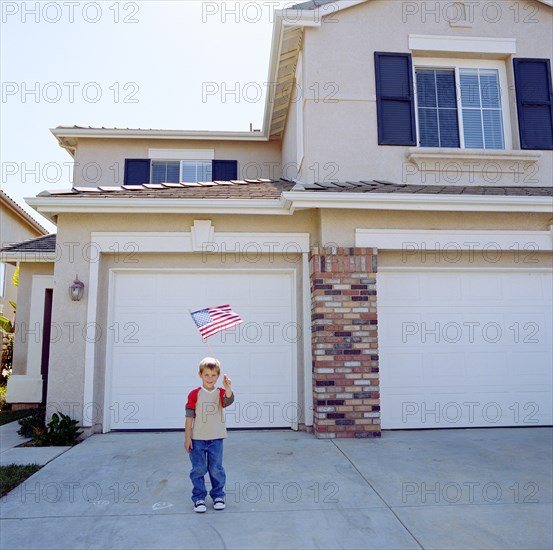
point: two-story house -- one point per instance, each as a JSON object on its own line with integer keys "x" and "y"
{"x": 386, "y": 237}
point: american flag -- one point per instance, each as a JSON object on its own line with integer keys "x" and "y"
{"x": 214, "y": 319}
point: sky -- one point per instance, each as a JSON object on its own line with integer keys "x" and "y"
{"x": 180, "y": 64}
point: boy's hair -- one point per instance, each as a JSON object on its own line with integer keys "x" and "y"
{"x": 210, "y": 363}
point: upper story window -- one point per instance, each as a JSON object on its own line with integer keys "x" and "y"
{"x": 181, "y": 171}
{"x": 141, "y": 171}
{"x": 461, "y": 106}
{"x": 462, "y": 103}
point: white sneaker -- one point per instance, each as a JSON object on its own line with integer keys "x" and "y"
{"x": 200, "y": 507}
{"x": 219, "y": 504}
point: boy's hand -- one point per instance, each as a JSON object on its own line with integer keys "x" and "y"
{"x": 228, "y": 385}
{"x": 188, "y": 444}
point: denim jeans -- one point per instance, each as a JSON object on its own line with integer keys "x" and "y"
{"x": 207, "y": 457}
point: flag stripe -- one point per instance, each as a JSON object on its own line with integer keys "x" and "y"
{"x": 215, "y": 319}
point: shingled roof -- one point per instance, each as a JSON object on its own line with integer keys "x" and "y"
{"x": 263, "y": 189}
{"x": 40, "y": 244}
{"x": 236, "y": 189}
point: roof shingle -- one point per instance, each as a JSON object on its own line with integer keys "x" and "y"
{"x": 272, "y": 190}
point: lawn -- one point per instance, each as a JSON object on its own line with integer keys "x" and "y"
{"x": 13, "y": 474}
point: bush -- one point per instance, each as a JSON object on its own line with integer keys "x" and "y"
{"x": 61, "y": 430}
{"x": 35, "y": 420}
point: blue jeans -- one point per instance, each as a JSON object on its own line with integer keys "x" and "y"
{"x": 207, "y": 457}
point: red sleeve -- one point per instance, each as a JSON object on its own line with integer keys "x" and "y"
{"x": 222, "y": 392}
{"x": 192, "y": 399}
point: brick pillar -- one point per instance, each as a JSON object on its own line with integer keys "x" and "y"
{"x": 345, "y": 343}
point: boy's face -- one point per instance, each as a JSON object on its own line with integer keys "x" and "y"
{"x": 209, "y": 378}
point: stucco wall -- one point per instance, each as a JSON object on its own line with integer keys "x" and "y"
{"x": 341, "y": 125}
{"x": 102, "y": 161}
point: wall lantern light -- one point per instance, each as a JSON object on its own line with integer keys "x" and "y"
{"x": 76, "y": 290}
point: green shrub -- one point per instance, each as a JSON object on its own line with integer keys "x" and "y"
{"x": 35, "y": 420}
{"x": 61, "y": 430}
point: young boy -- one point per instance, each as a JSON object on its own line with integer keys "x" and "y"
{"x": 205, "y": 431}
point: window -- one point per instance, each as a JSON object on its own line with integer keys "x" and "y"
{"x": 437, "y": 108}
{"x": 175, "y": 171}
{"x": 461, "y": 107}
{"x": 141, "y": 171}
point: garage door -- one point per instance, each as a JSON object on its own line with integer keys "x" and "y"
{"x": 155, "y": 347}
{"x": 465, "y": 348}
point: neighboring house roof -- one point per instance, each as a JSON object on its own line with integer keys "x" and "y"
{"x": 41, "y": 249}
{"x": 24, "y": 217}
{"x": 48, "y": 243}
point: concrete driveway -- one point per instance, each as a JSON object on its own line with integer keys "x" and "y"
{"x": 488, "y": 488}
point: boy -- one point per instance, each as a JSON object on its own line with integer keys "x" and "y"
{"x": 205, "y": 431}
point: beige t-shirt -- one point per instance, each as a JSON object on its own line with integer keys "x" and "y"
{"x": 209, "y": 422}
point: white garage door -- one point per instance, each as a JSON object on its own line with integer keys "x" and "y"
{"x": 155, "y": 347}
{"x": 465, "y": 348}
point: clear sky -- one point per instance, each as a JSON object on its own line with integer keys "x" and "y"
{"x": 181, "y": 64}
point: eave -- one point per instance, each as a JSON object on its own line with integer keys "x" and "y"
{"x": 397, "y": 201}
{"x": 289, "y": 202}
{"x": 29, "y": 256}
{"x": 51, "y": 207}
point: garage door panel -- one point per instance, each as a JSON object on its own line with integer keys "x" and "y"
{"x": 155, "y": 370}
{"x": 533, "y": 368}
{"x": 436, "y": 288}
{"x": 527, "y": 287}
{"x": 445, "y": 368}
{"x": 139, "y": 288}
{"x": 134, "y": 367}
{"x": 395, "y": 375}
{"x": 482, "y": 346}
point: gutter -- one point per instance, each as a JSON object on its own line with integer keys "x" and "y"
{"x": 51, "y": 207}
{"x": 302, "y": 200}
{"x": 31, "y": 256}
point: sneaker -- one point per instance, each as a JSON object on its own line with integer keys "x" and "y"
{"x": 219, "y": 504}
{"x": 200, "y": 507}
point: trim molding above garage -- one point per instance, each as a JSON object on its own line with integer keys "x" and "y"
{"x": 178, "y": 242}
{"x": 432, "y": 239}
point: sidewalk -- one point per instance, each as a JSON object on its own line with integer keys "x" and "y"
{"x": 10, "y": 453}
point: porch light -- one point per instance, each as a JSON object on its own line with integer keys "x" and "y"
{"x": 76, "y": 290}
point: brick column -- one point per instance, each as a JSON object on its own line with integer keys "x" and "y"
{"x": 345, "y": 343}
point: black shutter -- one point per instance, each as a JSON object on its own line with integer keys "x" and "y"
{"x": 395, "y": 99}
{"x": 224, "y": 170}
{"x": 534, "y": 102}
{"x": 137, "y": 171}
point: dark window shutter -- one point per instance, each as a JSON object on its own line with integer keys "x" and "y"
{"x": 534, "y": 102}
{"x": 395, "y": 99}
{"x": 137, "y": 171}
{"x": 225, "y": 170}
